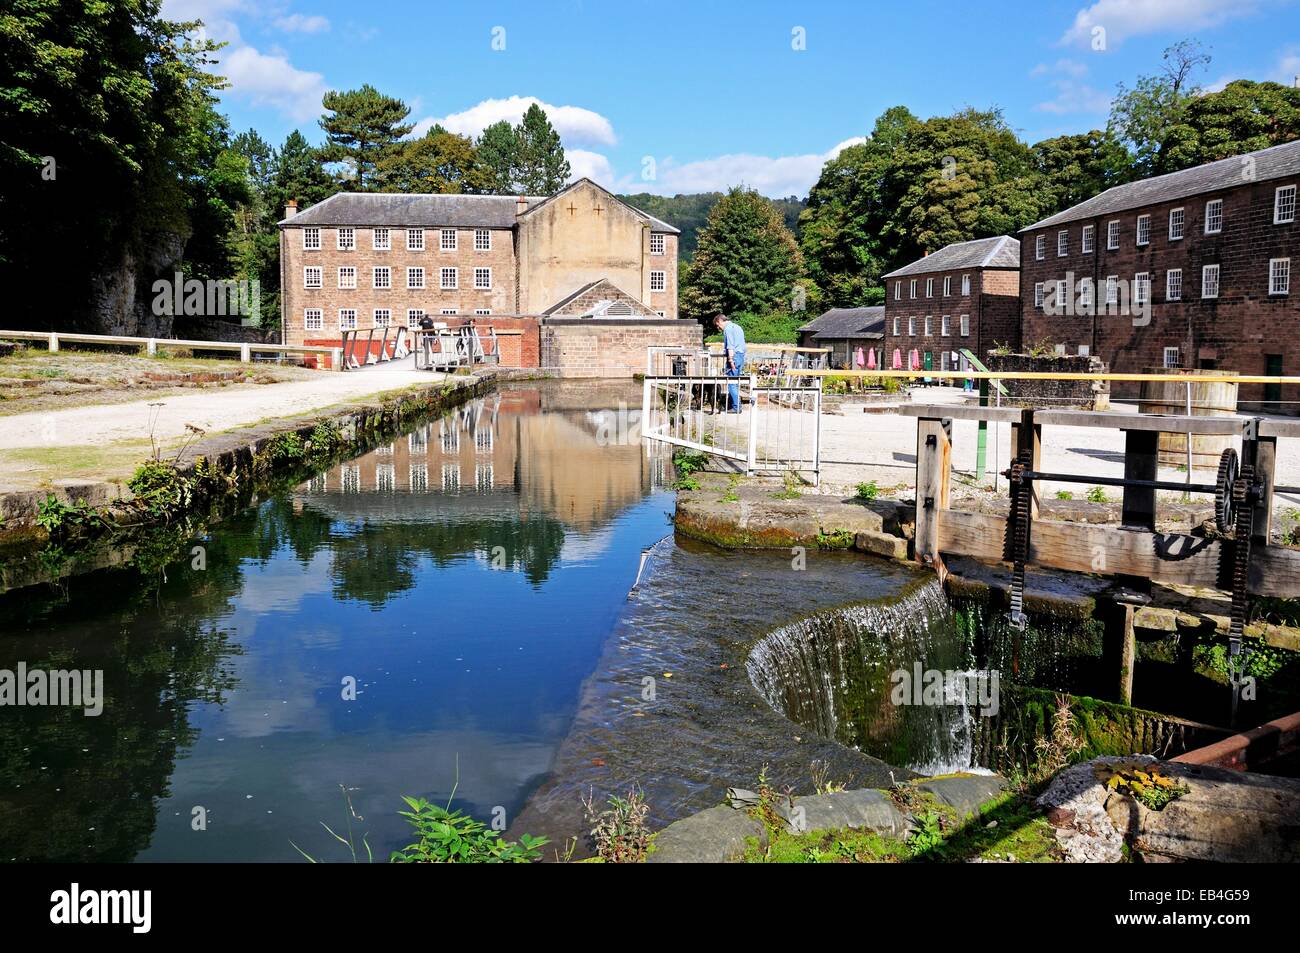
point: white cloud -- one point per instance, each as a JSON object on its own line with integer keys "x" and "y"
{"x": 1284, "y": 71}
{"x": 299, "y": 23}
{"x": 1121, "y": 19}
{"x": 1065, "y": 67}
{"x": 1072, "y": 98}
{"x": 271, "y": 80}
{"x": 574, "y": 124}
{"x": 773, "y": 176}
{"x": 261, "y": 79}
{"x": 590, "y": 165}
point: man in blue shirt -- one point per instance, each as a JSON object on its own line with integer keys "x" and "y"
{"x": 733, "y": 343}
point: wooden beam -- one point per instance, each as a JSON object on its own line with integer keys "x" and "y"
{"x": 1007, "y": 415}
{"x": 1030, "y": 438}
{"x": 933, "y": 483}
{"x": 1170, "y": 558}
{"x": 1265, "y": 470}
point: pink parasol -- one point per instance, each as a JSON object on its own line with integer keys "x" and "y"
{"x": 914, "y": 359}
{"x": 898, "y": 359}
{"x": 871, "y": 359}
{"x": 858, "y": 359}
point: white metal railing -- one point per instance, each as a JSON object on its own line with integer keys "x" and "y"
{"x": 775, "y": 428}
{"x": 359, "y": 350}
{"x": 246, "y": 349}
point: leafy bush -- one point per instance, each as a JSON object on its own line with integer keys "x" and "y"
{"x": 620, "y": 833}
{"x": 444, "y": 836}
{"x": 868, "y": 491}
{"x": 1096, "y": 495}
{"x": 286, "y": 448}
{"x": 56, "y": 517}
{"x": 926, "y": 838}
{"x": 159, "y": 490}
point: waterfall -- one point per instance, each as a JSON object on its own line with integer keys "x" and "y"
{"x": 855, "y": 674}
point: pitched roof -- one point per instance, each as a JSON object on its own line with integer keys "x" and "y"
{"x": 433, "y": 210}
{"x": 848, "y": 323}
{"x": 1275, "y": 162}
{"x": 1000, "y": 251}
{"x": 656, "y": 224}
{"x": 612, "y": 302}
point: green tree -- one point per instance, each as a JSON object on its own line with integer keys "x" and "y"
{"x": 299, "y": 174}
{"x": 498, "y": 153}
{"x": 842, "y": 228}
{"x": 363, "y": 127}
{"x": 746, "y": 260}
{"x": 1142, "y": 118}
{"x": 1242, "y": 117}
{"x": 540, "y": 167}
{"x": 1077, "y": 167}
{"x": 438, "y": 161}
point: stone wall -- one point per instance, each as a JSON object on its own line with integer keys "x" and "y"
{"x": 1053, "y": 394}
{"x": 611, "y": 347}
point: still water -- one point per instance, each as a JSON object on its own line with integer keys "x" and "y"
{"x": 465, "y": 578}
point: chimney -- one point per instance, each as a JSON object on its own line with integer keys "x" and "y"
{"x": 290, "y": 208}
{"x": 521, "y": 205}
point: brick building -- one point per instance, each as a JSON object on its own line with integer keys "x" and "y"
{"x": 367, "y": 260}
{"x": 965, "y": 296}
{"x": 845, "y": 331}
{"x": 1190, "y": 269}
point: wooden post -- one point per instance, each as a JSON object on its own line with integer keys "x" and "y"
{"x": 1265, "y": 466}
{"x": 933, "y": 484}
{"x": 1140, "y": 463}
{"x": 1127, "y": 650}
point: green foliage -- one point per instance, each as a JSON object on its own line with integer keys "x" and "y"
{"x": 1064, "y": 495}
{"x": 444, "y": 836}
{"x": 1096, "y": 495}
{"x": 926, "y": 837}
{"x": 1143, "y": 118}
{"x": 439, "y": 161}
{"x": 159, "y": 491}
{"x": 835, "y": 539}
{"x": 868, "y": 491}
{"x": 363, "y": 128}
{"x": 747, "y": 260}
{"x": 59, "y": 519}
{"x": 620, "y": 831}
{"x": 1242, "y": 117}
{"x": 689, "y": 213}
{"x": 689, "y": 461}
{"x": 286, "y": 448}
{"x": 540, "y": 167}
{"x": 776, "y": 328}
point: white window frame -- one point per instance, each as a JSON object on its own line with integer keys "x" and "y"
{"x": 445, "y": 235}
{"x": 311, "y": 238}
{"x": 911, "y": 326}
{"x": 1040, "y": 248}
{"x": 1085, "y": 292}
{"x": 1112, "y": 234}
{"x": 1085, "y": 239}
{"x": 929, "y": 287}
{"x": 351, "y": 272}
{"x": 346, "y": 238}
{"x": 1174, "y": 284}
{"x": 1063, "y": 243}
{"x": 482, "y": 312}
{"x": 928, "y": 326}
{"x": 947, "y": 285}
{"x": 313, "y": 319}
{"x": 442, "y": 278}
{"x": 384, "y": 272}
{"x": 347, "y": 327}
{"x": 659, "y": 278}
{"x": 449, "y": 311}
{"x": 387, "y": 317}
{"x": 482, "y": 239}
{"x": 1177, "y": 216}
{"x": 1039, "y": 294}
{"x": 1214, "y": 214}
{"x": 1280, "y": 208}
{"x": 1112, "y": 289}
{"x": 1142, "y": 287}
{"x": 898, "y": 290}
{"x": 896, "y": 326}
{"x": 911, "y": 289}
{"x": 964, "y": 325}
{"x": 945, "y": 326}
{"x": 1279, "y": 268}
{"x": 313, "y": 271}
{"x": 415, "y": 239}
{"x": 1206, "y": 272}
{"x": 414, "y": 278}
{"x": 1062, "y": 293}
{"x": 1165, "y": 358}
{"x": 965, "y": 284}
{"x": 1142, "y": 237}
{"x": 486, "y": 283}
{"x": 413, "y": 316}
{"x": 656, "y": 243}
{"x": 376, "y": 244}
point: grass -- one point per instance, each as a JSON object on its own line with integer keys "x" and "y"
{"x": 1010, "y": 827}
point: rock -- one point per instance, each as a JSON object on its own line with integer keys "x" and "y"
{"x": 714, "y": 836}
{"x": 881, "y": 544}
{"x": 863, "y": 810}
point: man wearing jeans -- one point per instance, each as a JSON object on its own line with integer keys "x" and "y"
{"x": 733, "y": 343}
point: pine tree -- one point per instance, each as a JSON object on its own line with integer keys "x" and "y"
{"x": 498, "y": 154}
{"x": 439, "y": 161}
{"x": 540, "y": 166}
{"x": 362, "y": 128}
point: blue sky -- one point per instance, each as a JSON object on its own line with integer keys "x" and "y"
{"x": 685, "y": 97}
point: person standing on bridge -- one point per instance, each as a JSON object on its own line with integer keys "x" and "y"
{"x": 733, "y": 344}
